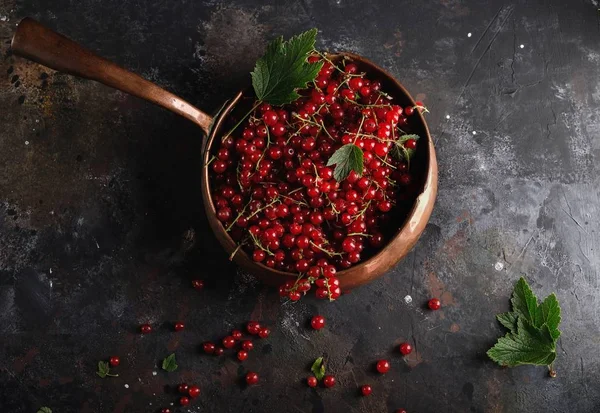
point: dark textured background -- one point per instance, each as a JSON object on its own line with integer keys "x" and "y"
{"x": 102, "y": 227}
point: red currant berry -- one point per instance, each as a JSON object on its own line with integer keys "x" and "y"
{"x": 247, "y": 345}
{"x": 194, "y": 391}
{"x": 329, "y": 381}
{"x": 184, "y": 401}
{"x": 219, "y": 351}
{"x": 409, "y": 110}
{"x": 251, "y": 378}
{"x": 401, "y": 411}
{"x": 237, "y": 335}
{"x": 179, "y": 326}
{"x": 312, "y": 381}
{"x": 242, "y": 355}
{"x": 165, "y": 410}
{"x": 114, "y": 361}
{"x": 198, "y": 284}
{"x": 146, "y": 328}
{"x": 366, "y": 390}
{"x": 405, "y": 348}
{"x": 208, "y": 347}
{"x": 434, "y": 304}
{"x": 383, "y": 366}
{"x": 228, "y": 342}
{"x": 410, "y": 144}
{"x": 317, "y": 322}
{"x": 270, "y": 118}
{"x": 264, "y": 332}
{"x": 183, "y": 388}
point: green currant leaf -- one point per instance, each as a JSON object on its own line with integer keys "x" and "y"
{"x": 524, "y": 302}
{"x": 169, "y": 363}
{"x": 508, "y": 320}
{"x": 283, "y": 69}
{"x": 318, "y": 368}
{"x": 548, "y": 313}
{"x": 103, "y": 369}
{"x": 400, "y": 152}
{"x": 44, "y": 410}
{"x": 347, "y": 158}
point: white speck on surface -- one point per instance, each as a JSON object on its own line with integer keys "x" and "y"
{"x": 26, "y": 142}
{"x": 379, "y": 328}
{"x": 127, "y": 386}
{"x": 51, "y": 212}
{"x": 97, "y": 246}
{"x": 37, "y": 121}
{"x": 522, "y": 46}
{"x": 154, "y": 373}
{"x": 3, "y": 18}
{"x": 172, "y": 404}
{"x": 50, "y": 270}
{"x": 499, "y": 266}
{"x": 408, "y": 299}
{"x": 474, "y": 133}
{"x": 469, "y": 35}
{"x": 50, "y": 283}
{"x": 447, "y": 116}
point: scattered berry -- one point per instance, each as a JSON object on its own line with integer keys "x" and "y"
{"x": 405, "y": 348}
{"x": 366, "y": 390}
{"x": 383, "y": 366}
{"x": 434, "y": 304}
{"x": 247, "y": 345}
{"x": 251, "y": 378}
{"x": 114, "y": 361}
{"x": 317, "y": 322}
{"x": 329, "y": 381}
{"x": 184, "y": 401}
{"x": 253, "y": 327}
{"x": 228, "y": 342}
{"x": 312, "y": 381}
{"x": 146, "y": 328}
{"x": 183, "y": 388}
{"x": 208, "y": 347}
{"x": 219, "y": 351}
{"x": 242, "y": 355}
{"x": 194, "y": 391}
{"x": 165, "y": 410}
{"x": 198, "y": 284}
{"x": 237, "y": 335}
{"x": 264, "y": 332}
{"x": 179, "y": 326}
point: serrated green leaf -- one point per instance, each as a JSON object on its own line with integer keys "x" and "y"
{"x": 318, "y": 368}
{"x": 347, "y": 158}
{"x": 103, "y": 369}
{"x": 283, "y": 69}
{"x": 44, "y": 410}
{"x": 169, "y": 363}
{"x": 530, "y": 345}
{"x": 548, "y": 312}
{"x": 508, "y": 320}
{"x": 524, "y": 302}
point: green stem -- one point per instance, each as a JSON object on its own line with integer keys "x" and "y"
{"x": 241, "y": 120}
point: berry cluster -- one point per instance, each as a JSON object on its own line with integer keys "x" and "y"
{"x": 277, "y": 197}
{"x": 189, "y": 392}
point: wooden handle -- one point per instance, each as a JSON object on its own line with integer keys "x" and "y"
{"x": 36, "y": 42}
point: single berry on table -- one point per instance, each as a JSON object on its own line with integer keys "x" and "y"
{"x": 312, "y": 381}
{"x": 366, "y": 390}
{"x": 228, "y": 342}
{"x": 179, "y": 326}
{"x": 434, "y": 304}
{"x": 237, "y": 335}
{"x": 219, "y": 351}
{"x": 184, "y": 401}
{"x": 146, "y": 328}
{"x": 165, "y": 410}
{"x": 405, "y": 348}
{"x": 242, "y": 355}
{"x": 194, "y": 391}
{"x": 383, "y": 366}
{"x": 253, "y": 327}
{"x": 329, "y": 381}
{"x": 208, "y": 347}
{"x": 198, "y": 284}
{"x": 264, "y": 332}
{"x": 114, "y": 361}
{"x": 251, "y": 378}
{"x": 183, "y": 388}
{"x": 317, "y": 322}
{"x": 247, "y": 345}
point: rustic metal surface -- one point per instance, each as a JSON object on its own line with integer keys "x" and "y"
{"x": 101, "y": 224}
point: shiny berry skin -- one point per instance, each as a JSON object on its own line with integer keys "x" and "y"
{"x": 405, "y": 348}
{"x": 253, "y": 327}
{"x": 179, "y": 326}
{"x": 409, "y": 110}
{"x": 366, "y": 390}
{"x": 383, "y": 366}
{"x": 247, "y": 345}
{"x": 329, "y": 381}
{"x": 410, "y": 144}
{"x": 317, "y": 322}
{"x": 146, "y": 328}
{"x": 194, "y": 391}
{"x": 270, "y": 118}
{"x": 165, "y": 410}
{"x": 251, "y": 378}
{"x": 294, "y": 295}
{"x": 184, "y": 401}
{"x": 237, "y": 335}
{"x": 208, "y": 347}
{"x": 219, "y": 351}
{"x": 312, "y": 381}
{"x": 228, "y": 342}
{"x": 242, "y": 355}
{"x": 264, "y": 332}
{"x": 183, "y": 388}
{"x": 198, "y": 284}
{"x": 114, "y": 361}
{"x": 434, "y": 304}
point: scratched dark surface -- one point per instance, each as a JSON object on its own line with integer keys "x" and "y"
{"x": 102, "y": 226}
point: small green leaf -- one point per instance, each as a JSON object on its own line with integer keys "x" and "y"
{"x": 44, "y": 410}
{"x": 103, "y": 369}
{"x": 524, "y": 302}
{"x": 508, "y": 320}
{"x": 548, "y": 313}
{"x": 318, "y": 368}
{"x": 400, "y": 152}
{"x": 530, "y": 345}
{"x": 170, "y": 364}
{"x": 284, "y": 68}
{"x": 347, "y": 158}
